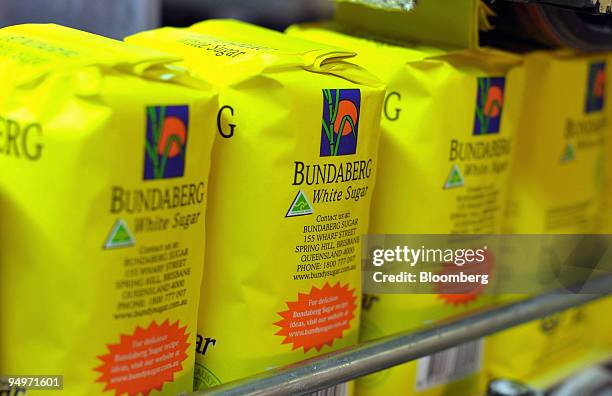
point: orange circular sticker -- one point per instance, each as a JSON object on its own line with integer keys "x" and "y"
{"x": 318, "y": 318}
{"x": 145, "y": 360}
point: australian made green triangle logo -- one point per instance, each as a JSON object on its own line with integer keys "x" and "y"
{"x": 120, "y": 236}
{"x": 455, "y": 178}
{"x": 300, "y": 206}
{"x": 569, "y": 154}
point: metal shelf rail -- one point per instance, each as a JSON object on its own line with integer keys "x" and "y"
{"x": 327, "y": 370}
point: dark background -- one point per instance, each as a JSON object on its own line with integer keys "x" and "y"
{"x": 119, "y": 18}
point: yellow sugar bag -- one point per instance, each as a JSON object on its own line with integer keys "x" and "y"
{"x": 557, "y": 187}
{"x": 559, "y": 173}
{"x": 294, "y": 169}
{"x": 105, "y": 153}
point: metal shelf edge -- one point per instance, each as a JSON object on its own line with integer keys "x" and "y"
{"x": 327, "y": 370}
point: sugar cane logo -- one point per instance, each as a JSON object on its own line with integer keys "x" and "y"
{"x": 596, "y": 87}
{"x": 166, "y": 142}
{"x": 489, "y": 105}
{"x": 340, "y": 129}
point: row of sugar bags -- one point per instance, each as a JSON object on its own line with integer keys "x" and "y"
{"x": 412, "y": 142}
{"x": 440, "y": 105}
{"x": 558, "y": 129}
{"x": 488, "y": 107}
{"x": 467, "y": 73}
{"x": 106, "y": 148}
{"x": 232, "y": 64}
